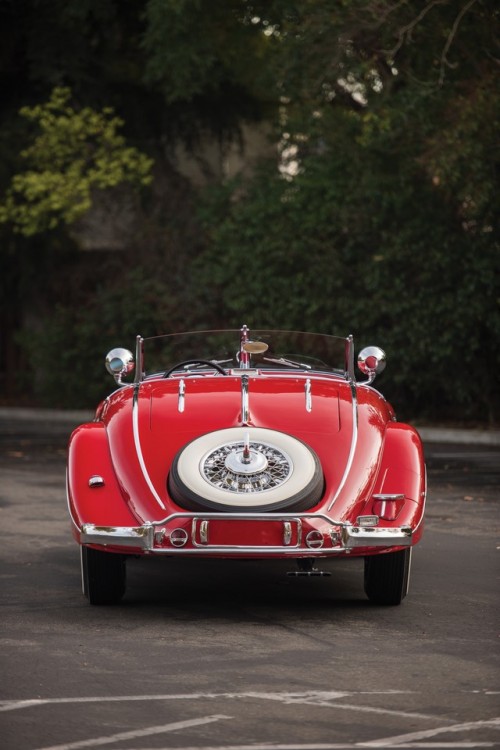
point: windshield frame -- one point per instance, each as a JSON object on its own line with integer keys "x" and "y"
{"x": 294, "y": 363}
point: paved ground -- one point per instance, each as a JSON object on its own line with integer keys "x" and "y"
{"x": 216, "y": 655}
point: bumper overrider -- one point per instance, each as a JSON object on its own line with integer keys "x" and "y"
{"x": 246, "y": 534}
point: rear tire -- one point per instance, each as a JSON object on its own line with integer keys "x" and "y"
{"x": 104, "y": 576}
{"x": 387, "y": 577}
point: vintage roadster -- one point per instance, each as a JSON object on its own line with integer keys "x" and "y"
{"x": 246, "y": 444}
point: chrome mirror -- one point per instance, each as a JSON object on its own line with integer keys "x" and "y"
{"x": 119, "y": 362}
{"x": 371, "y": 362}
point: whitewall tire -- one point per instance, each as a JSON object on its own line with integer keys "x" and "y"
{"x": 246, "y": 469}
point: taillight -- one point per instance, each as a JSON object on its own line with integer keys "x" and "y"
{"x": 388, "y": 507}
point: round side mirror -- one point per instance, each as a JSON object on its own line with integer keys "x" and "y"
{"x": 371, "y": 361}
{"x": 119, "y": 362}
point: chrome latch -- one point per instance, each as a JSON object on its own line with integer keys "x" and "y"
{"x": 204, "y": 532}
{"x": 287, "y": 532}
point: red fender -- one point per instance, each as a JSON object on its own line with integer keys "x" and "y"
{"x": 402, "y": 472}
{"x": 89, "y": 456}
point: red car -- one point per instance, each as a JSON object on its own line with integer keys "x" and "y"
{"x": 246, "y": 444}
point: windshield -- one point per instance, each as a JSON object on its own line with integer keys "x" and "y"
{"x": 246, "y": 349}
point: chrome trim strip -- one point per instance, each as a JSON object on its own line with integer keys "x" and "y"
{"x": 307, "y": 388}
{"x": 181, "y": 396}
{"x": 76, "y": 526}
{"x": 237, "y": 516}
{"x": 354, "y": 442}
{"x": 245, "y": 413}
{"x": 137, "y": 443}
{"x": 423, "y": 505}
{"x": 238, "y": 551}
{"x": 393, "y": 496}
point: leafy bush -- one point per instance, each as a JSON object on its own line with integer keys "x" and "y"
{"x": 74, "y": 153}
{"x": 375, "y": 253}
{"x": 68, "y": 354}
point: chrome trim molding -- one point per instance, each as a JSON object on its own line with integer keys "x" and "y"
{"x": 72, "y": 518}
{"x": 354, "y": 442}
{"x": 137, "y": 443}
{"x": 384, "y": 496}
{"x": 424, "y": 503}
{"x": 181, "y": 396}
{"x": 307, "y": 388}
{"x": 245, "y": 412}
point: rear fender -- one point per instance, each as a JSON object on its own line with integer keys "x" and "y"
{"x": 95, "y": 502}
{"x": 401, "y": 476}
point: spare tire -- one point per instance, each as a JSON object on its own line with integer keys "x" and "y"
{"x": 246, "y": 469}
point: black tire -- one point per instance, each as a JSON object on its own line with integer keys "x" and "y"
{"x": 104, "y": 576}
{"x": 298, "y": 488}
{"x": 387, "y": 577}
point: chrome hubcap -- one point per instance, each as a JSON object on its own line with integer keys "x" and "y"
{"x": 246, "y": 467}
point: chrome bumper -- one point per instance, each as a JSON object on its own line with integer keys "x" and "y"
{"x": 338, "y": 537}
{"x": 140, "y": 537}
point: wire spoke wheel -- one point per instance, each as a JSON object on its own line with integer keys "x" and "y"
{"x": 247, "y": 467}
{"x": 242, "y": 469}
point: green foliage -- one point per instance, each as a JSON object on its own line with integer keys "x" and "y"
{"x": 384, "y": 223}
{"x": 69, "y": 356}
{"x": 364, "y": 240}
{"x": 389, "y": 228}
{"x": 75, "y": 152}
{"x": 195, "y": 48}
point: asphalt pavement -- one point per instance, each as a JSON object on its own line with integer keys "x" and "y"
{"x": 213, "y": 655}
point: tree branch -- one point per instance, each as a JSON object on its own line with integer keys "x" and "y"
{"x": 406, "y": 30}
{"x": 449, "y": 41}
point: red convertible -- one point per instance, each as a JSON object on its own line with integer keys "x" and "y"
{"x": 246, "y": 444}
